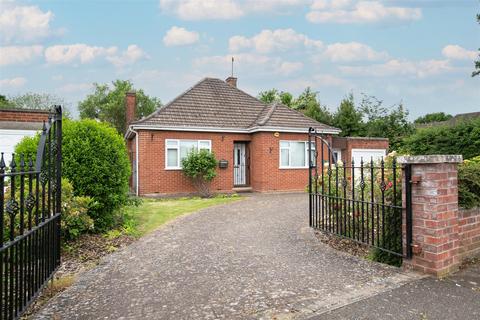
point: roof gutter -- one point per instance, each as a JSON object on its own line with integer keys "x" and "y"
{"x": 230, "y": 130}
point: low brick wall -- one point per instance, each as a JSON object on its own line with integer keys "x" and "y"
{"x": 469, "y": 232}
{"x": 23, "y": 115}
{"x": 442, "y": 233}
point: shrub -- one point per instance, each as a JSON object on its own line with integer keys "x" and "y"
{"x": 463, "y": 138}
{"x": 200, "y": 167}
{"x": 75, "y": 218}
{"x": 95, "y": 161}
{"x": 469, "y": 183}
{"x": 351, "y": 222}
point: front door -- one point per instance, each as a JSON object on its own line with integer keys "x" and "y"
{"x": 240, "y": 164}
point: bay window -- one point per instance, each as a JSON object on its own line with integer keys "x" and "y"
{"x": 176, "y": 150}
{"x": 294, "y": 154}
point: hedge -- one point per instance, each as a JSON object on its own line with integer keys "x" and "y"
{"x": 463, "y": 138}
{"x": 95, "y": 161}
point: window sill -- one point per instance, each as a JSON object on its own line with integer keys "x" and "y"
{"x": 173, "y": 169}
{"x": 293, "y": 168}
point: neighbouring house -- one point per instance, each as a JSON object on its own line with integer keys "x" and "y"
{"x": 16, "y": 124}
{"x": 260, "y": 147}
{"x": 458, "y": 118}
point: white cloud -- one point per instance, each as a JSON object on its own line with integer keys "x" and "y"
{"x": 252, "y": 62}
{"x": 271, "y": 5}
{"x": 178, "y": 36}
{"x": 352, "y": 51}
{"x": 287, "y": 68}
{"x": 62, "y": 54}
{"x": 455, "y": 52}
{"x": 419, "y": 69}
{"x": 19, "y": 54}
{"x": 273, "y": 40}
{"x": 224, "y": 9}
{"x": 328, "y": 80}
{"x": 344, "y": 11}
{"x": 13, "y": 82}
{"x": 202, "y": 9}
{"x": 82, "y": 53}
{"x": 24, "y": 23}
{"x": 75, "y": 87}
{"x": 128, "y": 57}
{"x": 317, "y": 81}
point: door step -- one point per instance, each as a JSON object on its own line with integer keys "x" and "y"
{"x": 242, "y": 189}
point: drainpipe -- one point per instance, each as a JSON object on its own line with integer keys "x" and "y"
{"x": 136, "y": 159}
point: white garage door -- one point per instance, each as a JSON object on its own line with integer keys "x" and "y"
{"x": 367, "y": 154}
{"x": 8, "y": 140}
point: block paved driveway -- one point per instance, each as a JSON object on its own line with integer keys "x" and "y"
{"x": 252, "y": 259}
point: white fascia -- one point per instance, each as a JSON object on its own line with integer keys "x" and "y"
{"x": 230, "y": 130}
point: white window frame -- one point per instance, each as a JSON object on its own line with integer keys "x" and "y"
{"x": 290, "y": 154}
{"x": 177, "y": 147}
{"x": 339, "y": 154}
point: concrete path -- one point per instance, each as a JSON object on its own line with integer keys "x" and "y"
{"x": 252, "y": 259}
{"x": 456, "y": 297}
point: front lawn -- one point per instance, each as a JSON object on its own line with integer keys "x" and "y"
{"x": 152, "y": 213}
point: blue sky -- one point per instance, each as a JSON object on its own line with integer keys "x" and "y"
{"x": 417, "y": 52}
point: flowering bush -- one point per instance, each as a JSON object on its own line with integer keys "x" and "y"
{"x": 200, "y": 167}
{"x": 75, "y": 219}
{"x": 353, "y": 201}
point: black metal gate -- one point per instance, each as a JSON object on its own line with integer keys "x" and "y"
{"x": 360, "y": 201}
{"x": 30, "y": 210}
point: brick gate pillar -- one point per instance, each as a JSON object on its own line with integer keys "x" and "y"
{"x": 434, "y": 194}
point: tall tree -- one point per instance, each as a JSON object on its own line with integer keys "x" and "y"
{"x": 4, "y": 103}
{"x": 306, "y": 98}
{"x": 348, "y": 118}
{"x": 476, "y": 72}
{"x": 107, "y": 103}
{"x": 268, "y": 96}
{"x": 433, "y": 117}
{"x": 273, "y": 95}
{"x": 32, "y": 100}
{"x": 307, "y": 103}
{"x": 391, "y": 123}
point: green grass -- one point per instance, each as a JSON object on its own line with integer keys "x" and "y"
{"x": 152, "y": 213}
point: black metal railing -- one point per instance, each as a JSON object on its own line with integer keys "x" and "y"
{"x": 30, "y": 211}
{"x": 359, "y": 200}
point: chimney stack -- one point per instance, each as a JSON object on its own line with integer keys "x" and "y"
{"x": 130, "y": 105}
{"x": 232, "y": 81}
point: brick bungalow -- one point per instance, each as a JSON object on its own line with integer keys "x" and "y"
{"x": 260, "y": 147}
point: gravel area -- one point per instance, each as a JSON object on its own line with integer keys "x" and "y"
{"x": 252, "y": 259}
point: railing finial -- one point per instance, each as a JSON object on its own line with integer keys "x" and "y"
{"x": 13, "y": 164}
{"x": 2, "y": 163}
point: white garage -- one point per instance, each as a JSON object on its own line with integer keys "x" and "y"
{"x": 16, "y": 124}
{"x": 8, "y": 140}
{"x": 367, "y": 155}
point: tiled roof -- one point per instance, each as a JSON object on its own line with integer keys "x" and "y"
{"x": 212, "y": 103}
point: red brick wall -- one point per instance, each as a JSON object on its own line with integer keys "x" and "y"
{"x": 153, "y": 178}
{"x": 265, "y": 174}
{"x": 435, "y": 215}
{"x": 130, "y": 105}
{"x": 23, "y": 115}
{"x": 469, "y": 232}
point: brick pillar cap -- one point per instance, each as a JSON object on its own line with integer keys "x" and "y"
{"x": 437, "y": 158}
